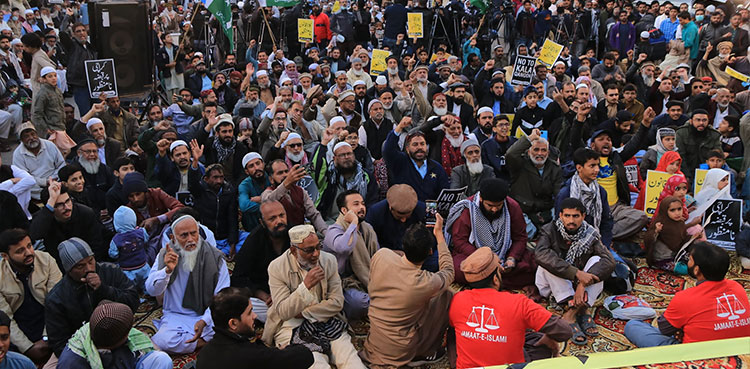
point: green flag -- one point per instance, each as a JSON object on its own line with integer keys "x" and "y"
{"x": 282, "y": 3}
{"x": 483, "y": 5}
{"x": 220, "y": 9}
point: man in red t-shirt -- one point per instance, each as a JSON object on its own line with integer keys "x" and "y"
{"x": 491, "y": 325}
{"x": 716, "y": 308}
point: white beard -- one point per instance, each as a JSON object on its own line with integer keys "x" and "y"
{"x": 648, "y": 80}
{"x": 440, "y": 111}
{"x": 265, "y": 85}
{"x": 475, "y": 168}
{"x": 252, "y": 103}
{"x": 387, "y": 107}
{"x": 455, "y": 141}
{"x": 358, "y": 72}
{"x": 295, "y": 157}
{"x": 722, "y": 106}
{"x": 100, "y": 142}
{"x": 188, "y": 258}
{"x": 392, "y": 71}
{"x": 90, "y": 166}
{"x": 422, "y": 80}
{"x": 536, "y": 162}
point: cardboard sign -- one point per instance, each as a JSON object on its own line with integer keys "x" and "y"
{"x": 101, "y": 77}
{"x": 655, "y": 182}
{"x": 305, "y": 30}
{"x": 725, "y": 221}
{"x": 631, "y": 171}
{"x": 700, "y": 175}
{"x": 449, "y": 197}
{"x": 734, "y": 73}
{"x": 378, "y": 64}
{"x": 415, "y": 25}
{"x": 523, "y": 70}
{"x": 550, "y": 52}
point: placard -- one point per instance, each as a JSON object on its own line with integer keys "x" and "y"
{"x": 305, "y": 30}
{"x": 725, "y": 222}
{"x": 655, "y": 182}
{"x": 700, "y": 175}
{"x": 449, "y": 197}
{"x": 550, "y": 52}
{"x": 415, "y": 25}
{"x": 631, "y": 171}
{"x": 523, "y": 70}
{"x": 378, "y": 61}
{"x": 734, "y": 73}
{"x": 101, "y": 77}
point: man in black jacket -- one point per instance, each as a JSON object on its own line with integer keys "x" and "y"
{"x": 223, "y": 148}
{"x": 61, "y": 218}
{"x": 85, "y": 284}
{"x": 195, "y": 81}
{"x": 169, "y": 65}
{"x": 78, "y": 50}
{"x": 232, "y": 346}
{"x": 216, "y": 201}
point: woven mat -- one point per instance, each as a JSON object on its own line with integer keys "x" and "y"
{"x": 654, "y": 286}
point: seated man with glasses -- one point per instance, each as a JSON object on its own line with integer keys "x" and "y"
{"x": 307, "y": 302}
{"x": 62, "y": 218}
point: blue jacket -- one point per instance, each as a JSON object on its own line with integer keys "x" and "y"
{"x": 403, "y": 171}
{"x": 250, "y": 209}
{"x": 166, "y": 171}
{"x": 391, "y": 231}
{"x": 605, "y": 226}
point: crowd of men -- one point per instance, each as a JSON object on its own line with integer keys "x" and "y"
{"x": 286, "y": 183}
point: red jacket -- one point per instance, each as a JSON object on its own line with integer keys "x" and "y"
{"x": 322, "y": 27}
{"x": 158, "y": 203}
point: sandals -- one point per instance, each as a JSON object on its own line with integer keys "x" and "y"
{"x": 587, "y": 324}
{"x": 579, "y": 338}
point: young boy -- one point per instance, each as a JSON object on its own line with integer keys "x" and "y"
{"x": 128, "y": 247}
{"x": 730, "y": 138}
{"x": 529, "y": 116}
{"x": 48, "y": 112}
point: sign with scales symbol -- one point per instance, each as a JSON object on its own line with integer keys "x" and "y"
{"x": 480, "y": 324}
{"x": 729, "y": 308}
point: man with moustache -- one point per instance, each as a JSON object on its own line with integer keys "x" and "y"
{"x": 296, "y": 201}
{"x": 264, "y": 244}
{"x": 424, "y": 91}
{"x": 109, "y": 149}
{"x": 307, "y": 301}
{"x": 233, "y": 347}
{"x": 413, "y": 167}
{"x": 483, "y": 131}
{"x": 200, "y": 80}
{"x": 171, "y": 168}
{"x": 251, "y": 101}
{"x": 560, "y": 104}
{"x": 535, "y": 181}
{"x": 444, "y": 135}
{"x": 188, "y": 272}
{"x": 38, "y": 157}
{"x": 223, "y": 148}
{"x": 99, "y": 178}
{"x": 26, "y": 278}
{"x": 392, "y": 111}
{"x": 119, "y": 123}
{"x": 695, "y": 140}
{"x": 474, "y": 172}
{"x": 459, "y": 107}
{"x": 373, "y": 132}
{"x": 353, "y": 241}
{"x": 251, "y": 188}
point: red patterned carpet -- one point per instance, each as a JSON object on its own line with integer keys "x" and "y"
{"x": 654, "y": 286}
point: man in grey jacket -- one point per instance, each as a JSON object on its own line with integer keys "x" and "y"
{"x": 471, "y": 174}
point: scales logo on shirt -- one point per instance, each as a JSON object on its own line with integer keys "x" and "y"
{"x": 729, "y": 307}
{"x": 481, "y": 324}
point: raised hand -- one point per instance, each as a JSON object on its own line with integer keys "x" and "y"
{"x": 313, "y": 277}
{"x": 170, "y": 260}
{"x": 196, "y": 150}
{"x": 296, "y": 173}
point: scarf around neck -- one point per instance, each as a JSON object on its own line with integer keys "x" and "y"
{"x": 495, "y": 233}
{"x": 223, "y": 152}
{"x": 82, "y": 345}
{"x": 202, "y": 281}
{"x": 358, "y": 182}
{"x": 589, "y": 195}
{"x": 581, "y": 241}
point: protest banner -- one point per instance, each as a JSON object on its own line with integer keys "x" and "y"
{"x": 655, "y": 182}
{"x": 101, "y": 77}
{"x": 523, "y": 70}
{"x": 305, "y": 30}
{"x": 725, "y": 221}
{"x": 415, "y": 25}
{"x": 734, "y": 73}
{"x": 700, "y": 175}
{"x": 449, "y": 197}
{"x": 378, "y": 61}
{"x": 550, "y": 52}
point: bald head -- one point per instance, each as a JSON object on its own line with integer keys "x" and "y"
{"x": 273, "y": 218}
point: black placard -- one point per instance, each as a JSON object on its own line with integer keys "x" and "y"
{"x": 523, "y": 70}
{"x": 725, "y": 222}
{"x": 101, "y": 77}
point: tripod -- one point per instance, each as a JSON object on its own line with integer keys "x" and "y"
{"x": 154, "y": 96}
{"x": 435, "y": 19}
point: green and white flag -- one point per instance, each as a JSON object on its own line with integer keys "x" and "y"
{"x": 221, "y": 10}
{"x": 278, "y": 3}
{"x": 483, "y": 5}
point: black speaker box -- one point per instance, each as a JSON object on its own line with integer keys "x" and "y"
{"x": 120, "y": 30}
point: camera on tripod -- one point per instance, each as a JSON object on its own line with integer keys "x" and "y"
{"x": 507, "y": 6}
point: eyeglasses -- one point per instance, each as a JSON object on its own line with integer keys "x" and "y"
{"x": 310, "y": 250}
{"x": 89, "y": 151}
{"x": 295, "y": 145}
{"x": 61, "y": 205}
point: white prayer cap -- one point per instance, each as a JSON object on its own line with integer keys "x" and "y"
{"x": 291, "y": 136}
{"x": 381, "y": 80}
{"x": 16, "y": 41}
{"x": 46, "y": 70}
{"x": 93, "y": 121}
{"x": 313, "y": 66}
{"x": 359, "y": 82}
{"x": 261, "y": 73}
{"x": 177, "y": 144}
{"x": 345, "y": 94}
{"x": 283, "y": 79}
{"x": 28, "y": 11}
{"x": 645, "y": 34}
{"x": 198, "y": 53}
{"x": 182, "y": 219}
{"x": 485, "y": 109}
{"x": 337, "y": 119}
{"x": 250, "y": 157}
{"x": 298, "y": 233}
{"x": 340, "y": 145}
{"x": 582, "y": 85}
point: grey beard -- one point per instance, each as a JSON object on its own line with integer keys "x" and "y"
{"x": 90, "y": 166}
{"x": 33, "y": 144}
{"x": 455, "y": 141}
{"x": 388, "y": 106}
{"x": 304, "y": 264}
{"x": 265, "y": 85}
{"x": 722, "y": 106}
{"x": 392, "y": 71}
{"x": 252, "y": 103}
{"x": 440, "y": 111}
{"x": 187, "y": 258}
{"x": 537, "y": 162}
{"x": 476, "y": 167}
{"x": 100, "y": 142}
{"x": 295, "y": 157}
{"x": 648, "y": 80}
{"x": 358, "y": 72}
{"x": 286, "y": 105}
{"x": 421, "y": 80}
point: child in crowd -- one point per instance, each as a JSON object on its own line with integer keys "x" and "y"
{"x": 716, "y": 160}
{"x": 716, "y": 181}
{"x": 128, "y": 246}
{"x": 730, "y": 137}
{"x": 48, "y": 112}
{"x": 665, "y": 142}
{"x": 669, "y": 163}
{"x": 665, "y": 236}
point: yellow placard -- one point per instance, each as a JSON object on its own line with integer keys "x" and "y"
{"x": 655, "y": 182}
{"x": 415, "y": 25}
{"x": 378, "y": 61}
{"x": 305, "y": 30}
{"x": 700, "y": 175}
{"x": 519, "y": 132}
{"x": 732, "y": 72}
{"x": 336, "y": 6}
{"x": 550, "y": 51}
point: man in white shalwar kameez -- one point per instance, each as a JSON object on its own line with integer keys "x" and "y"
{"x": 189, "y": 272}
